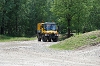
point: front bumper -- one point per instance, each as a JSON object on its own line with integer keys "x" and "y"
{"x": 51, "y": 35}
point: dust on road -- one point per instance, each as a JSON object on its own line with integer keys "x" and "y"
{"x": 34, "y": 53}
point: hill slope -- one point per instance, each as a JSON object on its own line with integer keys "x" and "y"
{"x": 90, "y": 38}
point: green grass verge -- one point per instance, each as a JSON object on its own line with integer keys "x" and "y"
{"x": 7, "y": 39}
{"x": 76, "y": 41}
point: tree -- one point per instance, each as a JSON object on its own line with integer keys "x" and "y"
{"x": 94, "y": 17}
{"x": 11, "y": 12}
{"x": 36, "y": 13}
{"x": 20, "y": 17}
{"x": 74, "y": 12}
{"x": 66, "y": 9}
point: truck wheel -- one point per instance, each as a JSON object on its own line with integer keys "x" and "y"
{"x": 55, "y": 39}
{"x": 39, "y": 39}
{"x": 49, "y": 40}
{"x": 44, "y": 39}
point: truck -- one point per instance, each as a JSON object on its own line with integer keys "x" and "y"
{"x": 47, "y": 31}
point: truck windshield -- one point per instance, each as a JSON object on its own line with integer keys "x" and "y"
{"x": 50, "y": 27}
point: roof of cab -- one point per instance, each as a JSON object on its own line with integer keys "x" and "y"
{"x": 49, "y": 23}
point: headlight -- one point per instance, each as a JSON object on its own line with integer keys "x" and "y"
{"x": 46, "y": 34}
{"x": 56, "y": 35}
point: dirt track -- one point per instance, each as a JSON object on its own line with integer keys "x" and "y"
{"x": 34, "y": 53}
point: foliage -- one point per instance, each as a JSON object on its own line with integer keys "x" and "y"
{"x": 77, "y": 11}
{"x": 20, "y": 17}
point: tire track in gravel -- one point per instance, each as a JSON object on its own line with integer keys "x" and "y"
{"x": 34, "y": 53}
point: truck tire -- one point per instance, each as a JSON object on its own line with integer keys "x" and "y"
{"x": 55, "y": 39}
{"x": 39, "y": 39}
{"x": 44, "y": 39}
{"x": 49, "y": 40}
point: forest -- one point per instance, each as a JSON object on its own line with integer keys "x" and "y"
{"x": 20, "y": 17}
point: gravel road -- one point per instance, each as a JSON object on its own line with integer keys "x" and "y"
{"x": 34, "y": 53}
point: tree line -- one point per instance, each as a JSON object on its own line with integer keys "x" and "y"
{"x": 20, "y": 17}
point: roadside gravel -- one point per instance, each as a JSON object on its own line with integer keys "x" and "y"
{"x": 34, "y": 53}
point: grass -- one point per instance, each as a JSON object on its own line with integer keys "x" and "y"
{"x": 76, "y": 41}
{"x": 7, "y": 39}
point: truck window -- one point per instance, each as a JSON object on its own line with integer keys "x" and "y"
{"x": 50, "y": 26}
